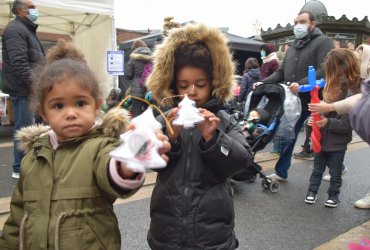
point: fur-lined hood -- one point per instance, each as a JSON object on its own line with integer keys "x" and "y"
{"x": 113, "y": 123}
{"x": 142, "y": 54}
{"x": 159, "y": 81}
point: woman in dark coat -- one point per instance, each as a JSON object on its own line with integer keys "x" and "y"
{"x": 140, "y": 56}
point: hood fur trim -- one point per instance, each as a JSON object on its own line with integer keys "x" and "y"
{"x": 141, "y": 57}
{"x": 112, "y": 127}
{"x": 160, "y": 79}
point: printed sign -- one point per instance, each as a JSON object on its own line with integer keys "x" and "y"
{"x": 115, "y": 62}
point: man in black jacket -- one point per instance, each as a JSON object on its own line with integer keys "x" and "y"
{"x": 21, "y": 50}
{"x": 309, "y": 49}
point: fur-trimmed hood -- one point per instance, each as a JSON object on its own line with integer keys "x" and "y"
{"x": 113, "y": 123}
{"x": 142, "y": 54}
{"x": 159, "y": 81}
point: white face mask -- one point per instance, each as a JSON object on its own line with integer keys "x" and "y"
{"x": 300, "y": 30}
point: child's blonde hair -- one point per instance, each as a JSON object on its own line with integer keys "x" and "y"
{"x": 338, "y": 63}
{"x": 63, "y": 61}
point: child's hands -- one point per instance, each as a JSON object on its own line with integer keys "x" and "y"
{"x": 210, "y": 124}
{"x": 310, "y": 121}
{"x": 166, "y": 145}
{"x": 171, "y": 116}
{"x": 322, "y": 123}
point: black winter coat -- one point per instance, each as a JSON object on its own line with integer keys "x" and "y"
{"x": 296, "y": 61}
{"x": 191, "y": 205}
{"x": 134, "y": 69}
{"x": 21, "y": 50}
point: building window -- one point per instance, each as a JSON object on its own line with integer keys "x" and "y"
{"x": 343, "y": 40}
{"x": 365, "y": 39}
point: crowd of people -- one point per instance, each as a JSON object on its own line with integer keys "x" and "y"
{"x": 69, "y": 178}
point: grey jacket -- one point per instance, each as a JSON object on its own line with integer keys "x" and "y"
{"x": 296, "y": 61}
{"x": 134, "y": 69}
{"x": 360, "y": 115}
{"x": 21, "y": 50}
{"x": 337, "y": 133}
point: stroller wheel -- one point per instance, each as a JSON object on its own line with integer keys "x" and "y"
{"x": 274, "y": 186}
{"x": 265, "y": 184}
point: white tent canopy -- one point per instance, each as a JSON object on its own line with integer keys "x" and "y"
{"x": 89, "y": 23}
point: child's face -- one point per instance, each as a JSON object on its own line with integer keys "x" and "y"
{"x": 195, "y": 83}
{"x": 253, "y": 115}
{"x": 70, "y": 109}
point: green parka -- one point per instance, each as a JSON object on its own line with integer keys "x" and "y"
{"x": 64, "y": 197}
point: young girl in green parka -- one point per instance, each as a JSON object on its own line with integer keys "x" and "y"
{"x": 191, "y": 205}
{"x": 68, "y": 182}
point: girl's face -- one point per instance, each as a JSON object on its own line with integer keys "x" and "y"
{"x": 194, "y": 82}
{"x": 70, "y": 109}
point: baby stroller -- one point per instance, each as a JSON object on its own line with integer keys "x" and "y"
{"x": 269, "y": 97}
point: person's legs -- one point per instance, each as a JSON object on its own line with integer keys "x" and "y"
{"x": 335, "y": 163}
{"x": 306, "y": 152}
{"x": 137, "y": 107}
{"x": 23, "y": 117}
{"x": 286, "y": 148}
{"x": 319, "y": 166}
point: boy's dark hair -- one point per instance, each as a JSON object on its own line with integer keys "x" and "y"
{"x": 311, "y": 16}
{"x": 63, "y": 62}
{"x": 17, "y": 4}
{"x": 195, "y": 55}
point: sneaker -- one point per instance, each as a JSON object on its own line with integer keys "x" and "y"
{"x": 15, "y": 175}
{"x": 327, "y": 177}
{"x": 332, "y": 201}
{"x": 310, "y": 197}
{"x": 276, "y": 177}
{"x": 364, "y": 202}
{"x": 303, "y": 155}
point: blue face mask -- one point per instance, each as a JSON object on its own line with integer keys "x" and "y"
{"x": 300, "y": 30}
{"x": 33, "y": 15}
{"x": 263, "y": 53}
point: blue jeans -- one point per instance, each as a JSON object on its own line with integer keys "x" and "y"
{"x": 334, "y": 161}
{"x": 23, "y": 117}
{"x": 287, "y": 146}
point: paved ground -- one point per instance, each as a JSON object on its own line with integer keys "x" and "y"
{"x": 263, "y": 220}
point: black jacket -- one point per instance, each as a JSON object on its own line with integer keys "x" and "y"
{"x": 191, "y": 205}
{"x": 297, "y": 59}
{"x": 21, "y": 50}
{"x": 337, "y": 133}
{"x": 134, "y": 69}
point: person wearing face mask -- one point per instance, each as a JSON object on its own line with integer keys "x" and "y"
{"x": 21, "y": 51}
{"x": 308, "y": 49}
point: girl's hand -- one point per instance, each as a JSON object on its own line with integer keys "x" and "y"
{"x": 294, "y": 87}
{"x": 310, "y": 121}
{"x": 321, "y": 107}
{"x": 322, "y": 123}
{"x": 166, "y": 145}
{"x": 210, "y": 124}
{"x": 171, "y": 116}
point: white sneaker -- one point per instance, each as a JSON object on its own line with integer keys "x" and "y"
{"x": 15, "y": 175}
{"x": 276, "y": 177}
{"x": 364, "y": 202}
{"x": 327, "y": 177}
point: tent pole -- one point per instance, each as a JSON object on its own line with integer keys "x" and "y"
{"x": 114, "y": 47}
